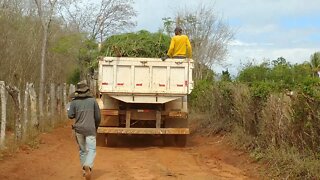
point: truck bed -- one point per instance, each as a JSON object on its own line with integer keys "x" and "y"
{"x": 145, "y": 80}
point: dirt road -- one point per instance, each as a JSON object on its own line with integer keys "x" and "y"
{"x": 57, "y": 159}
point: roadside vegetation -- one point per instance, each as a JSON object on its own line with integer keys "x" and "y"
{"x": 271, "y": 110}
{"x": 45, "y": 42}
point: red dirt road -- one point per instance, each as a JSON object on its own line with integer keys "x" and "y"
{"x": 57, "y": 159}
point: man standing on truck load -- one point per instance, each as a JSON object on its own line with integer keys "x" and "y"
{"x": 180, "y": 46}
{"x": 86, "y": 112}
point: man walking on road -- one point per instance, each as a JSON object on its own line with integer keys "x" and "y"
{"x": 180, "y": 46}
{"x": 86, "y": 112}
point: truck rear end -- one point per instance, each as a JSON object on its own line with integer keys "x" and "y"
{"x": 145, "y": 96}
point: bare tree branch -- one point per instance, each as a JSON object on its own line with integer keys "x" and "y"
{"x": 103, "y": 18}
{"x": 208, "y": 33}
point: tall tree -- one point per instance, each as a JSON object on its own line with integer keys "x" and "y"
{"x": 225, "y": 76}
{"x": 315, "y": 63}
{"x": 209, "y": 35}
{"x": 45, "y": 11}
{"x": 100, "y": 19}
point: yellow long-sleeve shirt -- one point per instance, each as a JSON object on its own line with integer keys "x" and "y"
{"x": 180, "y": 46}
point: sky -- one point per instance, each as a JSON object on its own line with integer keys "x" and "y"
{"x": 264, "y": 29}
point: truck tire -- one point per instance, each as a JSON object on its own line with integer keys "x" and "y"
{"x": 101, "y": 140}
{"x": 111, "y": 140}
{"x": 181, "y": 140}
{"x": 168, "y": 140}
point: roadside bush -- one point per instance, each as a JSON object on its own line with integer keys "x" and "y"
{"x": 213, "y": 101}
{"x": 262, "y": 90}
{"x": 197, "y": 99}
{"x": 306, "y": 123}
{"x": 280, "y": 129}
{"x": 287, "y": 132}
{"x": 276, "y": 121}
{"x": 244, "y": 108}
{"x": 271, "y": 110}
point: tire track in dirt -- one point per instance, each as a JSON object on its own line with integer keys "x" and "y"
{"x": 57, "y": 158}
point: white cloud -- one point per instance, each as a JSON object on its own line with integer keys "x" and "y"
{"x": 245, "y": 44}
{"x": 260, "y": 11}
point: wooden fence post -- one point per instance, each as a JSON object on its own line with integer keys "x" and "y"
{"x": 3, "y": 114}
{"x": 92, "y": 87}
{"x": 64, "y": 95}
{"x": 47, "y": 108}
{"x": 25, "y": 112}
{"x": 15, "y": 94}
{"x": 52, "y": 102}
{"x": 52, "y": 99}
{"x": 33, "y": 106}
{"x": 58, "y": 102}
{"x": 72, "y": 89}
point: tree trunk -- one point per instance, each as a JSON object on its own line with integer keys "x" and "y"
{"x": 3, "y": 114}
{"x": 42, "y": 75}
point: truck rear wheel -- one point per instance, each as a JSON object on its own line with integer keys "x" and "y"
{"x": 111, "y": 140}
{"x": 168, "y": 140}
{"x": 100, "y": 140}
{"x": 181, "y": 140}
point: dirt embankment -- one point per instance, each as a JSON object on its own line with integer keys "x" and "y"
{"x": 57, "y": 158}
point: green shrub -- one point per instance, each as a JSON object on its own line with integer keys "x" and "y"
{"x": 197, "y": 98}
{"x": 212, "y": 100}
{"x": 75, "y": 77}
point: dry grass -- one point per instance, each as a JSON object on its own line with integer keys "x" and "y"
{"x": 282, "y": 131}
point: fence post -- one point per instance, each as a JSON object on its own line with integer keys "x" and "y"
{"x": 58, "y": 101}
{"x": 33, "y": 106}
{"x": 64, "y": 95}
{"x": 93, "y": 87}
{"x": 15, "y": 94}
{"x": 3, "y": 114}
{"x": 47, "y": 108}
{"x": 72, "y": 89}
{"x": 25, "y": 112}
{"x": 52, "y": 102}
{"x": 52, "y": 97}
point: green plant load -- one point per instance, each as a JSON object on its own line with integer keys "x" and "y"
{"x": 139, "y": 44}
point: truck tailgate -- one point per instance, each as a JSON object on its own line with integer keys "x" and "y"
{"x": 148, "y": 76}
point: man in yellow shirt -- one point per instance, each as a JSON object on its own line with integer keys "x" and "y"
{"x": 180, "y": 46}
